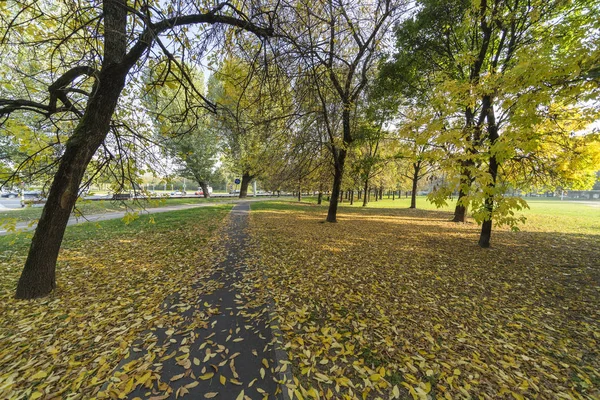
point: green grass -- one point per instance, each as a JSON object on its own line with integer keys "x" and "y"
{"x": 88, "y": 207}
{"x": 544, "y": 214}
{"x": 117, "y": 228}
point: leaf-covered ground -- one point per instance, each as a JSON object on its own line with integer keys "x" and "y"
{"x": 112, "y": 282}
{"x": 403, "y": 304}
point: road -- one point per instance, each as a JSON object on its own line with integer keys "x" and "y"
{"x": 10, "y": 203}
{"x": 23, "y": 226}
{"x": 15, "y": 203}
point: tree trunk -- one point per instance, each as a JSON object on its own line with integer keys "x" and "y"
{"x": 246, "y": 178}
{"x": 204, "y": 187}
{"x": 460, "y": 211}
{"x": 366, "y": 190}
{"x": 381, "y": 193}
{"x": 352, "y": 197}
{"x": 39, "y": 273}
{"x": 486, "y": 227}
{"x": 339, "y": 160}
{"x": 320, "y": 198}
{"x": 393, "y": 195}
{"x": 415, "y": 181}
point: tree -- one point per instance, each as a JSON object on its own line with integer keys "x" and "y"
{"x": 336, "y": 44}
{"x": 184, "y": 129}
{"x": 418, "y": 134}
{"x": 107, "y": 43}
{"x": 254, "y": 112}
{"x": 489, "y": 61}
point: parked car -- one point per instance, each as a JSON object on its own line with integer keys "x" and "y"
{"x": 200, "y": 191}
{"x": 9, "y": 194}
{"x": 178, "y": 193}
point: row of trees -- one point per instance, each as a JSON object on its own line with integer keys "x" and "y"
{"x": 494, "y": 95}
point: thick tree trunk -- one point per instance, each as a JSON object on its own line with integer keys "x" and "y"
{"x": 39, "y": 273}
{"x": 320, "y": 198}
{"x": 381, "y": 193}
{"x": 486, "y": 227}
{"x": 460, "y": 211}
{"x": 415, "y": 182}
{"x": 351, "y": 197}
{"x": 339, "y": 160}
{"x": 204, "y": 187}
{"x": 366, "y": 190}
{"x": 246, "y": 178}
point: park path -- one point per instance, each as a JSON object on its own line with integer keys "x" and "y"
{"x": 25, "y": 226}
{"x": 236, "y": 355}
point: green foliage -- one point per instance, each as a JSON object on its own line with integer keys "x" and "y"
{"x": 494, "y": 66}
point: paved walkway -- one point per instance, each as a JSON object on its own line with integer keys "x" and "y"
{"x": 24, "y": 226}
{"x": 235, "y": 352}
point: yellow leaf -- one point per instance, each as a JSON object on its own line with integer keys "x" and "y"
{"x": 177, "y": 377}
{"x": 240, "y": 396}
{"x": 222, "y": 379}
{"x": 210, "y": 395}
{"x": 39, "y": 375}
{"x": 517, "y": 396}
{"x": 192, "y": 385}
{"x": 206, "y": 376}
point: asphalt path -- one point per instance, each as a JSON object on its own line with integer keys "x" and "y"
{"x": 237, "y": 345}
{"x": 24, "y": 226}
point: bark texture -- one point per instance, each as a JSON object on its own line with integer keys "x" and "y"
{"x": 339, "y": 161}
{"x": 415, "y": 181}
{"x": 486, "y": 226}
{"x": 246, "y": 179}
{"x": 39, "y": 273}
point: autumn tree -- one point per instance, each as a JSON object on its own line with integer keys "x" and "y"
{"x": 485, "y": 59}
{"x": 89, "y": 55}
{"x": 184, "y": 132}
{"x": 254, "y": 112}
{"x": 336, "y": 44}
{"x": 418, "y": 133}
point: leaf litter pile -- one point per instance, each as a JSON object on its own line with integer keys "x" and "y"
{"x": 403, "y": 304}
{"x": 112, "y": 285}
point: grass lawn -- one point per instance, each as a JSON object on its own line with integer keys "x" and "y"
{"x": 88, "y": 207}
{"x": 398, "y": 303}
{"x": 112, "y": 279}
{"x": 545, "y": 214}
